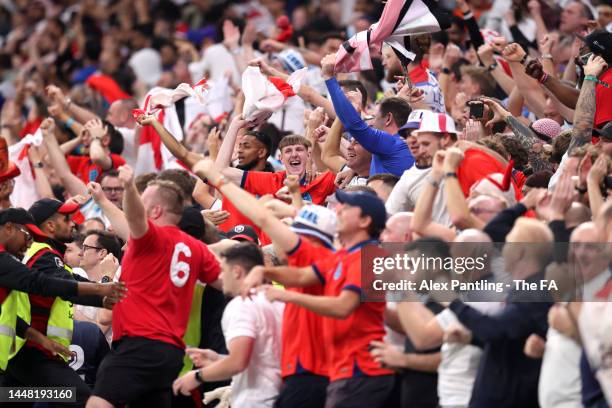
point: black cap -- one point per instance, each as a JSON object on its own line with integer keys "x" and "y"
{"x": 22, "y": 217}
{"x": 243, "y": 233}
{"x": 43, "y": 209}
{"x": 369, "y": 203}
{"x": 599, "y": 42}
{"x": 605, "y": 132}
{"x": 192, "y": 222}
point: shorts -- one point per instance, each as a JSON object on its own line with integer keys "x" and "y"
{"x": 302, "y": 391}
{"x": 139, "y": 371}
{"x": 371, "y": 392}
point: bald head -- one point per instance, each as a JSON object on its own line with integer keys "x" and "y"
{"x": 397, "y": 228}
{"x": 577, "y": 214}
{"x": 529, "y": 243}
{"x": 585, "y": 232}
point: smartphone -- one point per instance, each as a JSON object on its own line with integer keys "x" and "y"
{"x": 476, "y": 109}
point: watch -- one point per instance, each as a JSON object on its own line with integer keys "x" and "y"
{"x": 38, "y": 165}
{"x": 198, "y": 377}
{"x": 450, "y": 174}
{"x": 105, "y": 279}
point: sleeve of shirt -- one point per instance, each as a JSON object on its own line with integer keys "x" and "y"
{"x": 243, "y": 319}
{"x": 17, "y": 276}
{"x": 398, "y": 199}
{"x": 515, "y": 321}
{"x": 210, "y": 270}
{"x": 116, "y": 161}
{"x": 148, "y": 242}
{"x": 21, "y": 327}
{"x": 503, "y": 222}
{"x": 74, "y": 162}
{"x": 373, "y": 140}
{"x": 353, "y": 276}
{"x": 445, "y": 318}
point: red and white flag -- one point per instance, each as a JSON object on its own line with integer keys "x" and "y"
{"x": 265, "y": 95}
{"x": 399, "y": 20}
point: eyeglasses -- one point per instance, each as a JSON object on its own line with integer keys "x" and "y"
{"x": 113, "y": 189}
{"x": 86, "y": 247}
{"x": 27, "y": 234}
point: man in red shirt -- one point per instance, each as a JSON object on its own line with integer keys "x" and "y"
{"x": 356, "y": 379}
{"x": 160, "y": 268}
{"x": 99, "y": 142}
{"x": 304, "y": 358}
{"x": 295, "y": 156}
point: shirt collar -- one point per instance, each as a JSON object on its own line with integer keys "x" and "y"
{"x": 361, "y": 244}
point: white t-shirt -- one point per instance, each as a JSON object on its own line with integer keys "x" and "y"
{"x": 130, "y": 150}
{"x": 459, "y": 363}
{"x": 406, "y": 192}
{"x": 258, "y": 384}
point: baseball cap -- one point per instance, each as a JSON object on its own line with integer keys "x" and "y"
{"x": 414, "y": 120}
{"x": 369, "y": 203}
{"x": 243, "y": 233}
{"x": 599, "y": 42}
{"x": 316, "y": 221}
{"x": 436, "y": 122}
{"x": 192, "y": 222}
{"x": 42, "y": 209}
{"x": 291, "y": 60}
{"x": 8, "y": 169}
{"x": 21, "y": 216}
{"x": 605, "y": 132}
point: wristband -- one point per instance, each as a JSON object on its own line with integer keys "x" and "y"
{"x": 593, "y": 78}
{"x": 523, "y": 60}
{"x": 198, "y": 377}
{"x": 544, "y": 78}
{"x": 220, "y": 183}
{"x": 446, "y": 71}
{"x": 492, "y": 67}
{"x": 450, "y": 174}
{"x": 69, "y": 123}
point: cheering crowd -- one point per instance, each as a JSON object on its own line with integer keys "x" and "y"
{"x": 188, "y": 191}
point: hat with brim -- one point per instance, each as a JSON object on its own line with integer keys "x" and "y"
{"x": 303, "y": 229}
{"x": 370, "y": 205}
{"x": 22, "y": 217}
{"x": 43, "y": 209}
{"x": 11, "y": 172}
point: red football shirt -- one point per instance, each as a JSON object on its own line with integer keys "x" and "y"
{"x": 303, "y": 347}
{"x": 86, "y": 170}
{"x": 603, "y": 109}
{"x": 350, "y": 338}
{"x": 260, "y": 183}
{"x": 160, "y": 270}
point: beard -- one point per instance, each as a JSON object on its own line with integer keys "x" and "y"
{"x": 248, "y": 166}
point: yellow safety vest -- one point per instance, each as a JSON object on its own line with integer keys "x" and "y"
{"x": 15, "y": 304}
{"x": 193, "y": 334}
{"x": 60, "y": 324}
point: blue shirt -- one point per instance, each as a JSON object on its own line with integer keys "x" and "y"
{"x": 390, "y": 153}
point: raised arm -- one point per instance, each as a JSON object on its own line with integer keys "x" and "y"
{"x": 421, "y": 222}
{"x": 97, "y": 152}
{"x": 71, "y": 183}
{"x": 132, "y": 204}
{"x": 584, "y": 116}
{"x": 248, "y": 205}
{"x": 566, "y": 94}
{"x": 174, "y": 146}
{"x": 457, "y": 206}
{"x": 330, "y": 152}
{"x": 420, "y": 325}
{"x": 224, "y": 157}
{"x": 114, "y": 214}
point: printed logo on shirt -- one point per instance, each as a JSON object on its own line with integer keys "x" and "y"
{"x": 338, "y": 271}
{"x": 59, "y": 263}
{"x": 93, "y": 174}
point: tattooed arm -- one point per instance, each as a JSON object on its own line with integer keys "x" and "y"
{"x": 584, "y": 116}
{"x": 527, "y": 138}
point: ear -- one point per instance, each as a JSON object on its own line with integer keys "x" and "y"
{"x": 238, "y": 272}
{"x": 106, "y": 140}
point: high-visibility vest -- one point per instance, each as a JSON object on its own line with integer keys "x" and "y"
{"x": 60, "y": 324}
{"x": 193, "y": 334}
{"x": 15, "y": 304}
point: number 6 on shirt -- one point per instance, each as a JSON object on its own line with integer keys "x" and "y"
{"x": 179, "y": 270}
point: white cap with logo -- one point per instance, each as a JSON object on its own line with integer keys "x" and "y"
{"x": 316, "y": 221}
{"x": 436, "y": 122}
